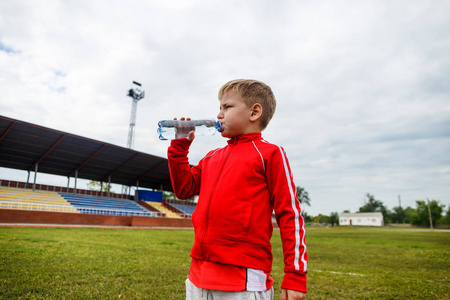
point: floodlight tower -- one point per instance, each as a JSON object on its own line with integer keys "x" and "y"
{"x": 137, "y": 95}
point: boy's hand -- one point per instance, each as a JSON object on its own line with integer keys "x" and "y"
{"x": 191, "y": 135}
{"x": 292, "y": 295}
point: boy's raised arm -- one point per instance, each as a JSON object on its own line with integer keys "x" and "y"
{"x": 185, "y": 180}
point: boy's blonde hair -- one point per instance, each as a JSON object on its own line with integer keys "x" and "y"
{"x": 251, "y": 92}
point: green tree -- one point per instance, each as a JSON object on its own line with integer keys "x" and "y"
{"x": 421, "y": 217}
{"x": 334, "y": 218}
{"x": 408, "y": 214}
{"x": 386, "y": 214}
{"x": 303, "y": 196}
{"x": 398, "y": 215}
{"x": 447, "y": 216}
{"x": 373, "y": 205}
{"x": 168, "y": 195}
{"x": 97, "y": 186}
{"x": 172, "y": 196}
{"x": 307, "y": 218}
{"x": 322, "y": 219}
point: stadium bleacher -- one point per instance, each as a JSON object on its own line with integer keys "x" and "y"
{"x": 21, "y": 198}
{"x": 100, "y": 205}
{"x": 25, "y": 199}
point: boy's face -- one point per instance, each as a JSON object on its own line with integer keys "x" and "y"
{"x": 234, "y": 115}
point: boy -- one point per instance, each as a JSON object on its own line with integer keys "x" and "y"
{"x": 239, "y": 186}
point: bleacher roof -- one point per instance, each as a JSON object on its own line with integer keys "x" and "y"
{"x": 23, "y": 145}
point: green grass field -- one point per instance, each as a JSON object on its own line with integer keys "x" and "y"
{"x": 93, "y": 263}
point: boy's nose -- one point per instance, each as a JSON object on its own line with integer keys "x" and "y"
{"x": 220, "y": 115}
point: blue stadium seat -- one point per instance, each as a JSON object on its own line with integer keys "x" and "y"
{"x": 187, "y": 209}
{"x": 106, "y": 206}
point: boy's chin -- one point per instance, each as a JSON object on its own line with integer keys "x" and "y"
{"x": 225, "y": 135}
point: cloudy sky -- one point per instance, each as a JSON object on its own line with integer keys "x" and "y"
{"x": 362, "y": 87}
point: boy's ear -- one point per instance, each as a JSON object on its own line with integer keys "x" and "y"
{"x": 256, "y": 112}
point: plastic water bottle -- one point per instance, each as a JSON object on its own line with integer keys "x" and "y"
{"x": 176, "y": 129}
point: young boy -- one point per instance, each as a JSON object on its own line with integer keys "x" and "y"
{"x": 239, "y": 186}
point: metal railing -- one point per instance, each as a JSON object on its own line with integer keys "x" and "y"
{"x": 169, "y": 211}
{"x": 36, "y": 206}
{"x": 72, "y": 209}
{"x": 116, "y": 212}
{"x": 58, "y": 189}
{"x": 181, "y": 212}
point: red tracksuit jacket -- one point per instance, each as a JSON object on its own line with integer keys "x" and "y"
{"x": 239, "y": 186}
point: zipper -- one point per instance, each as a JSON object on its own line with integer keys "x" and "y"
{"x": 219, "y": 175}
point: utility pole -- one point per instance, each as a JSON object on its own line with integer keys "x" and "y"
{"x": 137, "y": 95}
{"x": 429, "y": 214}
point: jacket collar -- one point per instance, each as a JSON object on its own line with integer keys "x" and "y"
{"x": 245, "y": 138}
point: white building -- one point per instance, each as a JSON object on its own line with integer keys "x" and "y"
{"x": 361, "y": 219}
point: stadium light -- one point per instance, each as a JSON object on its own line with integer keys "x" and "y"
{"x": 137, "y": 94}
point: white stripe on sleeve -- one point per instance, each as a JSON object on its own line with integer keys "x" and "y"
{"x": 298, "y": 241}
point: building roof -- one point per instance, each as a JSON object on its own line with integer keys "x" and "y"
{"x": 24, "y": 145}
{"x": 361, "y": 214}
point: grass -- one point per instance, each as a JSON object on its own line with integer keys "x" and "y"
{"x": 90, "y": 263}
{"x": 361, "y": 263}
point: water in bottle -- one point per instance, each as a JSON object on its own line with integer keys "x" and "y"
{"x": 177, "y": 129}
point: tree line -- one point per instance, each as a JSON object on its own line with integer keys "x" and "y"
{"x": 420, "y": 215}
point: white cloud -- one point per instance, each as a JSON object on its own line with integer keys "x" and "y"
{"x": 362, "y": 87}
